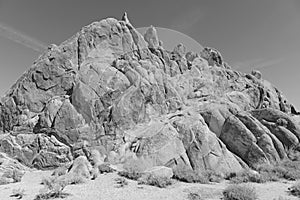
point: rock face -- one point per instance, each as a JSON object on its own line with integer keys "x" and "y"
{"x": 35, "y": 150}
{"x": 11, "y": 171}
{"x": 110, "y": 87}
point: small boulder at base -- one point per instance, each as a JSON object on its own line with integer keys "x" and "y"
{"x": 81, "y": 167}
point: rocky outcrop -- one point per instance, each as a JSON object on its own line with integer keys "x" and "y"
{"x": 241, "y": 141}
{"x": 81, "y": 167}
{"x": 36, "y": 150}
{"x": 11, "y": 171}
{"x": 110, "y": 87}
{"x": 151, "y": 38}
{"x": 213, "y": 56}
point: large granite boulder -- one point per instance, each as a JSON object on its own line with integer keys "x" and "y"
{"x": 109, "y": 86}
{"x": 36, "y": 150}
{"x": 11, "y": 170}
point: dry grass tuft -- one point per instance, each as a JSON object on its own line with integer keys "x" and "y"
{"x": 133, "y": 168}
{"x": 14, "y": 174}
{"x": 247, "y": 176}
{"x": 18, "y": 193}
{"x": 240, "y": 192}
{"x": 53, "y": 188}
{"x": 188, "y": 175}
{"x": 287, "y": 169}
{"x": 281, "y": 198}
{"x": 121, "y": 182}
{"x": 149, "y": 179}
{"x": 195, "y": 196}
{"x": 295, "y": 189}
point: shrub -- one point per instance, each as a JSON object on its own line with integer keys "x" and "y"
{"x": 18, "y": 193}
{"x": 121, "y": 182}
{"x": 292, "y": 169}
{"x": 194, "y": 196}
{"x": 4, "y": 181}
{"x": 51, "y": 195}
{"x": 53, "y": 188}
{"x": 133, "y": 168}
{"x": 188, "y": 175}
{"x": 133, "y": 175}
{"x": 294, "y": 153}
{"x": 48, "y": 182}
{"x": 292, "y": 175}
{"x": 287, "y": 169}
{"x": 239, "y": 192}
{"x": 74, "y": 179}
{"x": 138, "y": 165}
{"x": 17, "y": 175}
{"x": 105, "y": 168}
{"x": 281, "y": 198}
{"x": 295, "y": 189}
{"x": 14, "y": 174}
{"x": 246, "y": 176}
{"x": 60, "y": 171}
{"x": 213, "y": 176}
{"x": 161, "y": 182}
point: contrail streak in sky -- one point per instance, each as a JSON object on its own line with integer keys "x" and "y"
{"x": 21, "y": 38}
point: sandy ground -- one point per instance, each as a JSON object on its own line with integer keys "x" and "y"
{"x": 105, "y": 188}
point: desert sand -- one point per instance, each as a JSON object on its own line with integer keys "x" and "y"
{"x": 106, "y": 188}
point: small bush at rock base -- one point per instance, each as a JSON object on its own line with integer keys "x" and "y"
{"x": 74, "y": 179}
{"x": 295, "y": 189}
{"x": 14, "y": 174}
{"x": 194, "y": 196}
{"x": 17, "y": 175}
{"x": 105, "y": 168}
{"x": 48, "y": 182}
{"x": 4, "y": 181}
{"x": 121, "y": 182}
{"x": 286, "y": 169}
{"x": 53, "y": 188}
{"x": 292, "y": 169}
{"x": 133, "y": 175}
{"x": 239, "y": 192}
{"x": 213, "y": 176}
{"x": 133, "y": 168}
{"x": 51, "y": 195}
{"x": 246, "y": 176}
{"x": 149, "y": 179}
{"x": 188, "y": 175}
{"x": 294, "y": 153}
{"x": 138, "y": 165}
{"x": 60, "y": 171}
{"x": 18, "y": 193}
{"x": 281, "y": 198}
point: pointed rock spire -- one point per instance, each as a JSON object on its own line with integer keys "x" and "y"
{"x": 125, "y": 18}
{"x": 151, "y": 37}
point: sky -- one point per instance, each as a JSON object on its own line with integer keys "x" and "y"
{"x": 256, "y": 34}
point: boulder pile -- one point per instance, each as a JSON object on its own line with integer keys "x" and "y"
{"x": 112, "y": 89}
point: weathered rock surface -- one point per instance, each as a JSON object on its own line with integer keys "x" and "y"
{"x": 11, "y": 170}
{"x": 81, "y": 167}
{"x": 36, "y": 150}
{"x": 7, "y": 163}
{"x": 108, "y": 86}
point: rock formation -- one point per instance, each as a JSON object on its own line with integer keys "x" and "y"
{"x": 110, "y": 87}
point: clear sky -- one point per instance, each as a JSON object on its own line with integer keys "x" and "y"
{"x": 262, "y": 34}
